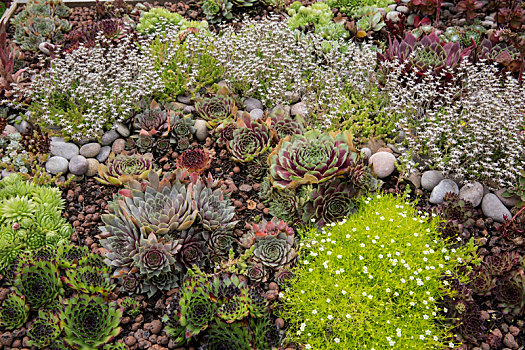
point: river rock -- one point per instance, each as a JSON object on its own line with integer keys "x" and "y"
{"x": 472, "y": 192}
{"x": 108, "y": 137}
{"x": 298, "y": 109}
{"x": 103, "y": 154}
{"x": 9, "y": 129}
{"x": 256, "y": 114}
{"x": 92, "y": 167}
{"x": 56, "y": 165}
{"x": 122, "y": 129}
{"x": 90, "y": 150}
{"x": 431, "y": 179}
{"x": 184, "y": 99}
{"x": 201, "y": 130}
{"x": 445, "y": 186}
{"x": 64, "y": 149}
{"x": 252, "y": 103}
{"x": 509, "y": 202}
{"x": 383, "y": 164}
{"x": 493, "y": 208}
{"x": 78, "y": 165}
{"x": 366, "y": 152}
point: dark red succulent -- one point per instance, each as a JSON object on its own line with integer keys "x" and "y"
{"x": 499, "y": 264}
{"x": 510, "y": 293}
{"x": 193, "y": 247}
{"x": 514, "y": 17}
{"x": 469, "y": 7}
{"x": 458, "y": 217}
{"x": 471, "y": 325}
{"x": 194, "y": 160}
{"x": 426, "y": 7}
{"x": 482, "y": 281}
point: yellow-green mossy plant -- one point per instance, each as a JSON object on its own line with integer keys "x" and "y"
{"x": 372, "y": 281}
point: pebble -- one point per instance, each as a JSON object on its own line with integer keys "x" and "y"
{"x": 402, "y": 9}
{"x": 223, "y": 83}
{"x": 188, "y": 109}
{"x": 392, "y": 6}
{"x": 184, "y": 99}
{"x": 108, "y": 138}
{"x": 64, "y": 149}
{"x": 293, "y": 97}
{"x": 24, "y": 126}
{"x": 415, "y": 179}
{"x": 251, "y": 104}
{"x": 6, "y": 339}
{"x": 256, "y": 114}
{"x": 78, "y": 165}
{"x": 472, "y": 192}
{"x": 122, "y": 129}
{"x": 393, "y": 16}
{"x": 298, "y": 109}
{"x": 509, "y": 202}
{"x": 177, "y": 106}
{"x": 514, "y": 330}
{"x": 56, "y": 165}
{"x": 92, "y": 167}
{"x": 445, "y": 186}
{"x": 286, "y": 109}
{"x": 493, "y": 208}
{"x": 366, "y": 152}
{"x": 90, "y": 150}
{"x": 245, "y": 188}
{"x": 510, "y": 341}
{"x": 431, "y": 179}
{"x": 411, "y": 18}
{"x": 118, "y": 146}
{"x": 9, "y": 129}
{"x": 488, "y": 24}
{"x": 103, "y": 154}
{"x": 154, "y": 326}
{"x": 201, "y": 130}
{"x": 383, "y": 164}
{"x": 130, "y": 341}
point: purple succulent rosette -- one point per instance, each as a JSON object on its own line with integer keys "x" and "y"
{"x": 249, "y": 140}
{"x": 311, "y": 158}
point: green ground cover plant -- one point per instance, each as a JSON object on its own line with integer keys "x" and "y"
{"x": 372, "y": 281}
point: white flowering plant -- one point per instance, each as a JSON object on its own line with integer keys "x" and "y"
{"x": 373, "y": 281}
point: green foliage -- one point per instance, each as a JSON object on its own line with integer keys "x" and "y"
{"x": 41, "y": 21}
{"x": 178, "y": 57}
{"x": 2, "y": 8}
{"x": 249, "y": 140}
{"x": 351, "y": 6}
{"x": 30, "y": 218}
{"x": 370, "y": 18}
{"x": 320, "y": 15}
{"x": 217, "y": 10}
{"x": 14, "y": 312}
{"x": 157, "y": 16}
{"x": 89, "y": 279}
{"x": 39, "y": 282}
{"x": 131, "y": 306}
{"x": 374, "y": 280}
{"x": 217, "y": 109}
{"x": 89, "y": 322}
{"x": 518, "y": 190}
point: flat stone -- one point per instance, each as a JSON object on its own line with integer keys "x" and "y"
{"x": 472, "y": 192}
{"x": 393, "y": 16}
{"x": 92, "y": 167}
{"x": 299, "y": 109}
{"x": 201, "y": 130}
{"x": 189, "y": 109}
{"x": 431, "y": 179}
{"x": 445, "y": 186}
{"x": 383, "y": 164}
{"x": 411, "y": 18}
{"x": 256, "y": 114}
{"x": 108, "y": 138}
{"x": 76, "y": 178}
{"x": 78, "y": 165}
{"x": 402, "y": 9}
{"x": 177, "y": 106}
{"x": 24, "y": 126}
{"x": 184, "y": 99}
{"x": 64, "y": 149}
{"x": 9, "y": 129}
{"x": 366, "y": 152}
{"x": 118, "y": 146}
{"x": 509, "y": 341}
{"x": 90, "y": 150}
{"x": 415, "y": 179}
{"x": 293, "y": 97}
{"x": 122, "y": 129}
{"x": 223, "y": 83}
{"x": 56, "y": 165}
{"x": 252, "y": 103}
{"x": 103, "y": 154}
{"x": 57, "y": 139}
{"x": 493, "y": 208}
{"x": 509, "y": 202}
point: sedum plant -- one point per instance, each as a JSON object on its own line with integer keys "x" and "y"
{"x": 157, "y": 16}
{"x": 121, "y": 169}
{"x": 14, "y": 312}
{"x": 39, "y": 22}
{"x": 89, "y": 322}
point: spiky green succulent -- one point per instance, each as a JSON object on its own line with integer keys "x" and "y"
{"x": 122, "y": 169}
{"x": 39, "y": 282}
{"x": 182, "y": 130}
{"x": 217, "y": 109}
{"x": 162, "y": 282}
{"x": 245, "y": 3}
{"x": 215, "y": 209}
{"x": 69, "y": 255}
{"x": 89, "y": 322}
{"x": 228, "y": 337}
{"x": 44, "y": 330}
{"x": 88, "y": 279}
{"x": 311, "y": 158}
{"x": 257, "y": 169}
{"x": 249, "y": 140}
{"x": 216, "y": 10}
{"x": 330, "y": 202}
{"x": 131, "y": 305}
{"x": 18, "y": 209}
{"x": 196, "y": 311}
{"x": 14, "y": 312}
{"x": 275, "y": 251}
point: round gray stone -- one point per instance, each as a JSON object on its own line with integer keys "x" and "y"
{"x": 445, "y": 186}
{"x": 415, "y": 179}
{"x": 78, "y": 165}
{"x": 509, "y": 202}
{"x": 286, "y": 109}
{"x": 189, "y": 109}
{"x": 24, "y": 126}
{"x": 103, "y": 154}
{"x": 9, "y": 129}
{"x": 252, "y": 103}
{"x": 64, "y": 149}
{"x": 201, "y": 130}
{"x": 493, "y": 208}
{"x": 92, "y": 167}
{"x": 366, "y": 152}
{"x": 118, "y": 146}
{"x": 472, "y": 192}
{"x": 256, "y": 114}
{"x": 56, "y": 165}
{"x": 90, "y": 150}
{"x": 109, "y": 137}
{"x": 383, "y": 164}
{"x": 431, "y": 179}
{"x": 122, "y": 129}
{"x": 402, "y": 9}
{"x": 293, "y": 97}
{"x": 298, "y": 109}
{"x": 184, "y": 99}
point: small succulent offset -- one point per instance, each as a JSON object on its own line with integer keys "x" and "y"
{"x": 44, "y": 330}
{"x": 153, "y": 120}
{"x": 14, "y": 312}
{"x": 89, "y": 322}
{"x": 122, "y": 169}
{"x": 501, "y": 263}
{"x": 510, "y": 293}
{"x": 194, "y": 160}
{"x": 39, "y": 22}
{"x": 274, "y": 251}
{"x": 89, "y": 280}
{"x": 39, "y": 282}
{"x": 216, "y": 10}
{"x": 458, "y": 216}
{"x": 182, "y": 130}
{"x": 131, "y": 306}
{"x": 216, "y": 110}
{"x": 311, "y": 158}
{"x": 250, "y": 139}
{"x": 283, "y": 124}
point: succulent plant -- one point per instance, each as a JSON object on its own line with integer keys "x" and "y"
{"x": 144, "y": 143}
{"x": 215, "y": 208}
{"x": 130, "y": 283}
{"x": 228, "y": 337}
{"x": 250, "y": 139}
{"x": 39, "y": 283}
{"x": 216, "y": 10}
{"x": 131, "y": 305}
{"x": 501, "y": 263}
{"x": 469, "y": 7}
{"x": 164, "y": 281}
{"x": 256, "y": 273}
{"x": 88, "y": 279}
{"x": 44, "y": 330}
{"x": 283, "y": 124}
{"x": 153, "y": 257}
{"x": 502, "y": 53}
{"x": 69, "y": 255}
{"x": 220, "y": 242}
{"x": 257, "y": 169}
{"x": 245, "y": 3}
{"x": 458, "y": 217}
{"x": 182, "y": 130}
{"x": 193, "y": 248}
{"x": 471, "y": 326}
{"x": 268, "y": 228}
{"x": 282, "y": 276}
{"x": 153, "y": 120}
{"x": 197, "y": 310}
{"x": 510, "y": 292}
{"x": 482, "y": 282}
{"x": 217, "y": 109}
{"x": 14, "y": 312}
{"x": 89, "y": 322}
{"x": 194, "y": 160}
{"x": 225, "y": 133}
{"x": 275, "y": 251}
{"x": 122, "y": 169}
{"x": 311, "y": 158}
{"x": 112, "y": 29}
